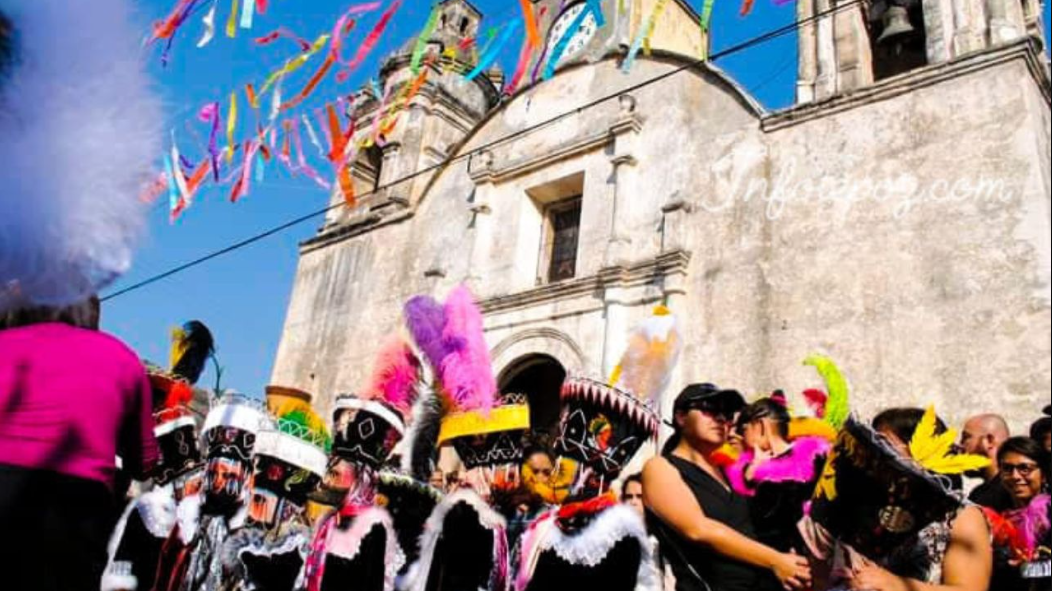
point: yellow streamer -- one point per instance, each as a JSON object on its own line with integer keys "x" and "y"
{"x": 231, "y": 126}
{"x": 296, "y": 63}
{"x": 231, "y": 23}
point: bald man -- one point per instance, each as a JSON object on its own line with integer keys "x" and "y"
{"x": 983, "y": 436}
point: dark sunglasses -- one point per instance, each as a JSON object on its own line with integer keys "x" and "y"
{"x": 715, "y": 411}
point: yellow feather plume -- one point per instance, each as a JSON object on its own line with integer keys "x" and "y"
{"x": 932, "y": 451}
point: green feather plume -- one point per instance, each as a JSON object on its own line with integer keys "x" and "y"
{"x": 838, "y": 407}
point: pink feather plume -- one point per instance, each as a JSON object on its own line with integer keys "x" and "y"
{"x": 395, "y": 376}
{"x": 467, "y": 371}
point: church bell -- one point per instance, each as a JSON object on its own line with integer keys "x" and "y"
{"x": 897, "y": 26}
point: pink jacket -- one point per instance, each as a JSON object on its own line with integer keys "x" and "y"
{"x": 72, "y": 400}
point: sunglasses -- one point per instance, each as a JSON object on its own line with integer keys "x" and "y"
{"x": 632, "y": 497}
{"x": 714, "y": 411}
{"x": 1024, "y": 470}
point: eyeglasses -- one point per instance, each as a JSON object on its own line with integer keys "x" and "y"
{"x": 1025, "y": 470}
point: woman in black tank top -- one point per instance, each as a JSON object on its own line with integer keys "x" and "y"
{"x": 704, "y": 528}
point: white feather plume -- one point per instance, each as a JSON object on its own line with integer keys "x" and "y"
{"x": 652, "y": 354}
{"x": 79, "y": 133}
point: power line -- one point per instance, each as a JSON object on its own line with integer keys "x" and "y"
{"x": 748, "y": 44}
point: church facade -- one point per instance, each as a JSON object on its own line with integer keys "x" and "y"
{"x": 897, "y": 218}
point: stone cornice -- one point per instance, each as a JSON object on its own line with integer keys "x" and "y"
{"x": 489, "y": 172}
{"x": 633, "y": 275}
{"x": 352, "y": 229}
{"x": 909, "y": 82}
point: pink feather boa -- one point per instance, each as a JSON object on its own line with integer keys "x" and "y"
{"x": 796, "y": 465}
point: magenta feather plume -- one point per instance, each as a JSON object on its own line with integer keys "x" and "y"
{"x": 426, "y": 320}
{"x": 395, "y": 376}
{"x": 467, "y": 372}
{"x": 1032, "y": 521}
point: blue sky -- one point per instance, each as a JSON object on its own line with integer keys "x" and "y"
{"x": 242, "y": 296}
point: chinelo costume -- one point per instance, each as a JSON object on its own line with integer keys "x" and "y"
{"x": 269, "y": 553}
{"x": 465, "y": 544}
{"x": 191, "y": 559}
{"x": 136, "y": 542}
{"x": 593, "y": 542}
{"x": 357, "y": 546}
{"x": 897, "y": 512}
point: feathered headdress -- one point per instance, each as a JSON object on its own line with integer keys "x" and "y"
{"x": 298, "y": 437}
{"x": 466, "y": 372}
{"x": 396, "y": 377}
{"x": 191, "y": 347}
{"x": 935, "y": 452}
{"x": 653, "y": 351}
{"x": 833, "y": 406}
{"x": 72, "y": 208}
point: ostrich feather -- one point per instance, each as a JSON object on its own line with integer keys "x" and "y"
{"x": 79, "y": 133}
{"x": 426, "y": 320}
{"x": 192, "y": 347}
{"x": 837, "y": 408}
{"x": 653, "y": 351}
{"x": 466, "y": 373}
{"x": 395, "y": 376}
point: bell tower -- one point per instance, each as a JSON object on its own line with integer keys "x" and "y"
{"x": 853, "y": 45}
{"x": 409, "y": 119}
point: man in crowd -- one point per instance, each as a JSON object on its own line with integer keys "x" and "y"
{"x": 1041, "y": 431}
{"x": 983, "y": 436}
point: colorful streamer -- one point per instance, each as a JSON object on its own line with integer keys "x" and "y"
{"x": 213, "y": 147}
{"x": 231, "y": 22}
{"x": 248, "y": 14}
{"x": 313, "y": 135}
{"x": 231, "y": 127}
{"x": 490, "y": 56}
{"x": 423, "y": 39}
{"x": 295, "y": 63}
{"x": 374, "y": 37}
{"x": 643, "y": 37}
{"x": 210, "y": 26}
{"x": 250, "y": 94}
{"x": 533, "y": 33}
{"x": 401, "y": 104}
{"x": 175, "y": 205}
{"x": 283, "y": 33}
{"x": 344, "y": 25}
{"x": 706, "y": 21}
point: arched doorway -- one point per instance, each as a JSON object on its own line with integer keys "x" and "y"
{"x": 540, "y": 378}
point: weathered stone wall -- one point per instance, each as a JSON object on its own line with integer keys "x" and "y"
{"x": 759, "y": 231}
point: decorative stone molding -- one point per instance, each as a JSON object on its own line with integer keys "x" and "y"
{"x": 672, "y": 263}
{"x": 490, "y": 172}
{"x": 538, "y": 341}
{"x": 919, "y": 78}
